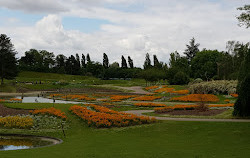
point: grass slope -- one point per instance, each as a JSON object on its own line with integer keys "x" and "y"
{"x": 164, "y": 139}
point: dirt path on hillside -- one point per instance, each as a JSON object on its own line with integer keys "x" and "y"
{"x": 140, "y": 113}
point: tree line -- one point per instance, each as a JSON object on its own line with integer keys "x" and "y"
{"x": 181, "y": 69}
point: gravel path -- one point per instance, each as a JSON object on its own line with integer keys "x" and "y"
{"x": 139, "y": 113}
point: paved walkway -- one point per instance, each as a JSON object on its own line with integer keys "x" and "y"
{"x": 140, "y": 113}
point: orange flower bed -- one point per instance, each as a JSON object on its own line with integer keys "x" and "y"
{"x": 79, "y": 97}
{"x": 151, "y": 87}
{"x": 175, "y": 107}
{"x": 222, "y": 105}
{"x": 146, "y": 98}
{"x": 104, "y": 117}
{"x": 181, "y": 91}
{"x": 197, "y": 98}
{"x": 16, "y": 99}
{"x": 166, "y": 90}
{"x": 149, "y": 105}
{"x": 122, "y": 97}
{"x": 234, "y": 95}
{"x": 50, "y": 111}
{"x": 2, "y": 100}
{"x": 227, "y": 100}
{"x": 55, "y": 95}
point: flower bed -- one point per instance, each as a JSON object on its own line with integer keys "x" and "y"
{"x": 197, "y": 98}
{"x": 151, "y": 87}
{"x": 78, "y": 97}
{"x": 16, "y": 122}
{"x": 181, "y": 91}
{"x": 175, "y": 107}
{"x": 104, "y": 117}
{"x": 149, "y": 105}
{"x": 50, "y": 111}
{"x": 166, "y": 90}
{"x": 222, "y": 105}
{"x": 234, "y": 95}
{"x": 187, "y": 107}
{"x": 15, "y": 100}
{"x": 146, "y": 98}
{"x": 122, "y": 97}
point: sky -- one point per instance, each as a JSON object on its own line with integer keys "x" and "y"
{"x": 120, "y": 27}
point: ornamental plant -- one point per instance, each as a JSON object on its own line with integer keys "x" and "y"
{"x": 16, "y": 122}
{"x": 102, "y": 117}
{"x": 149, "y": 105}
{"x": 49, "y": 111}
{"x": 146, "y": 98}
{"x": 197, "y": 98}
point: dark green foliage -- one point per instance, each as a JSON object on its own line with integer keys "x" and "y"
{"x": 147, "y": 63}
{"x": 180, "y": 78}
{"x": 124, "y": 62}
{"x": 192, "y": 49}
{"x": 178, "y": 65}
{"x": 204, "y": 64}
{"x": 83, "y": 61}
{"x": 8, "y": 62}
{"x": 152, "y": 75}
{"x": 88, "y": 59}
{"x": 105, "y": 61}
{"x": 130, "y": 62}
{"x": 157, "y": 64}
{"x": 60, "y": 63}
{"x": 244, "y": 18}
{"x": 242, "y": 105}
{"x": 34, "y": 60}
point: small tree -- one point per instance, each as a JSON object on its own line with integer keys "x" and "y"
{"x": 8, "y": 62}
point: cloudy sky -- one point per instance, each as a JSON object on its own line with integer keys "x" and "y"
{"x": 120, "y": 27}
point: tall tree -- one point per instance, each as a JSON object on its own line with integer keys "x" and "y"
{"x": 88, "y": 59}
{"x": 105, "y": 61}
{"x": 192, "y": 49}
{"x": 244, "y": 18}
{"x": 60, "y": 63}
{"x": 130, "y": 62}
{"x": 157, "y": 64}
{"x": 8, "y": 62}
{"x": 83, "y": 61}
{"x": 147, "y": 62}
{"x": 124, "y": 62}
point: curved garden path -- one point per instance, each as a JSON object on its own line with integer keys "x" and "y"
{"x": 140, "y": 113}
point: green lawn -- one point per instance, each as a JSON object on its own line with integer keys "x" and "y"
{"x": 164, "y": 139}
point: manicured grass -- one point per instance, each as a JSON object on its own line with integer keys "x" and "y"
{"x": 164, "y": 139}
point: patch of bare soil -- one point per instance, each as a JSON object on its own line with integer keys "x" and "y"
{"x": 211, "y": 112}
{"x": 4, "y": 111}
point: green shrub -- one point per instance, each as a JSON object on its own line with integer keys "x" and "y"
{"x": 180, "y": 78}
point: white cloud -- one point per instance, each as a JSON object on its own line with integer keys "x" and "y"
{"x": 162, "y": 27}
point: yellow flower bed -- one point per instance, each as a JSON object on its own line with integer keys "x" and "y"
{"x": 17, "y": 142}
{"x": 16, "y": 122}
